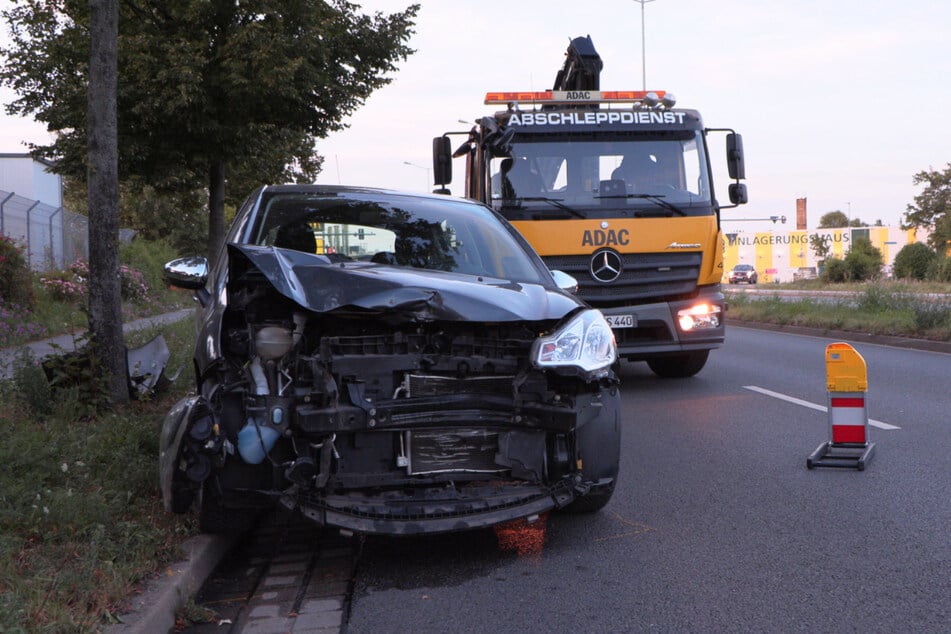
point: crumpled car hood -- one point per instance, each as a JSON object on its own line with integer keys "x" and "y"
{"x": 318, "y": 285}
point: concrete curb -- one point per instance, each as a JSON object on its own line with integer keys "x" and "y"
{"x": 66, "y": 343}
{"x": 154, "y": 610}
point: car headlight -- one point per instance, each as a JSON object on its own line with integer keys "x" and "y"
{"x": 699, "y": 317}
{"x": 586, "y": 342}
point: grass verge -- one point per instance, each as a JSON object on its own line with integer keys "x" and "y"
{"x": 879, "y": 308}
{"x": 81, "y": 520}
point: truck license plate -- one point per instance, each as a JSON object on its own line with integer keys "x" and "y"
{"x": 621, "y": 321}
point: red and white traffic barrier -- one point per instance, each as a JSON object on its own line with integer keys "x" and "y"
{"x": 847, "y": 383}
{"x": 848, "y": 417}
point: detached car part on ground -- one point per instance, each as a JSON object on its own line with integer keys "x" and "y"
{"x": 388, "y": 363}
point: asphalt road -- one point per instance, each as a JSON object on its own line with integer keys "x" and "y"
{"x": 716, "y": 525}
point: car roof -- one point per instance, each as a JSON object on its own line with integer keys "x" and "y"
{"x": 292, "y": 188}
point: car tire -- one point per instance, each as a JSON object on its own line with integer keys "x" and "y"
{"x": 593, "y": 501}
{"x": 215, "y": 518}
{"x": 679, "y": 366}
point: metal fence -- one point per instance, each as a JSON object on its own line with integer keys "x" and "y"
{"x": 54, "y": 238}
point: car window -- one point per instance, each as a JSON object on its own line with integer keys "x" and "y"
{"x": 420, "y": 233}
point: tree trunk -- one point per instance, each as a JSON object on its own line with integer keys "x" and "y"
{"x": 216, "y": 212}
{"x": 105, "y": 298}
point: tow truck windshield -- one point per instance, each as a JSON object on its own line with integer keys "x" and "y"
{"x": 597, "y": 174}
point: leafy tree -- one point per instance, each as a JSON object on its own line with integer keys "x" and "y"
{"x": 820, "y": 247}
{"x": 105, "y": 302}
{"x": 833, "y": 220}
{"x": 913, "y": 261}
{"x": 863, "y": 261}
{"x": 208, "y": 88}
{"x": 838, "y": 220}
{"x": 940, "y": 237}
{"x": 932, "y": 207}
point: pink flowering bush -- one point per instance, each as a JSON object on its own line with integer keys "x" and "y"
{"x": 133, "y": 285}
{"x": 71, "y": 285}
{"x": 80, "y": 269}
{"x": 64, "y": 286}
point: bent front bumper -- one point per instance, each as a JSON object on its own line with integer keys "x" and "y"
{"x": 656, "y": 331}
{"x": 430, "y": 510}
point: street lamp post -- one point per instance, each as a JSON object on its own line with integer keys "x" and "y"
{"x": 643, "y": 46}
{"x": 428, "y": 179}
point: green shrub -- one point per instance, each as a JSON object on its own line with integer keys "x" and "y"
{"x": 80, "y": 387}
{"x": 834, "y": 270}
{"x": 31, "y": 383}
{"x": 863, "y": 261}
{"x": 914, "y": 261}
{"x": 16, "y": 280}
{"x": 148, "y": 257}
{"x": 940, "y": 269}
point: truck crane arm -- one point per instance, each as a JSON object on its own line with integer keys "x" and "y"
{"x": 582, "y": 69}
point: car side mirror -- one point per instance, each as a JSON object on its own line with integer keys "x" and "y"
{"x": 565, "y": 282}
{"x": 190, "y": 273}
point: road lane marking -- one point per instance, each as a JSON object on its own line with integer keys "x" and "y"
{"x": 821, "y": 408}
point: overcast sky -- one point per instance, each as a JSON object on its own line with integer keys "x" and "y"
{"x": 838, "y": 101}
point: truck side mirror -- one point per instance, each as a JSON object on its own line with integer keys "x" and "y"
{"x": 442, "y": 160}
{"x": 734, "y": 156}
{"x": 738, "y": 194}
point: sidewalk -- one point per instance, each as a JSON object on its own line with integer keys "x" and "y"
{"x": 66, "y": 343}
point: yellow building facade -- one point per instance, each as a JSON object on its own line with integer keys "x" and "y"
{"x": 778, "y": 256}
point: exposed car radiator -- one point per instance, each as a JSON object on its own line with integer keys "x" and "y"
{"x": 418, "y": 385}
{"x": 448, "y": 450}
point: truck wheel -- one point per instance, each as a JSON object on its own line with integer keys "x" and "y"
{"x": 215, "y": 518}
{"x": 679, "y": 366}
{"x": 593, "y": 502}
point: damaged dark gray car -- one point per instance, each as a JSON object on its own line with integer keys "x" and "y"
{"x": 391, "y": 363}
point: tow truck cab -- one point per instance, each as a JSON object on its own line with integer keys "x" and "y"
{"x": 616, "y": 189}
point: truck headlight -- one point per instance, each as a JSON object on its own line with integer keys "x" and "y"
{"x": 586, "y": 342}
{"x": 699, "y": 317}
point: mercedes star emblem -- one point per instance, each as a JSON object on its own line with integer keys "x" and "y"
{"x": 606, "y": 265}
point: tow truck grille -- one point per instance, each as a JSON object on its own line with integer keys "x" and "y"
{"x": 644, "y": 277}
